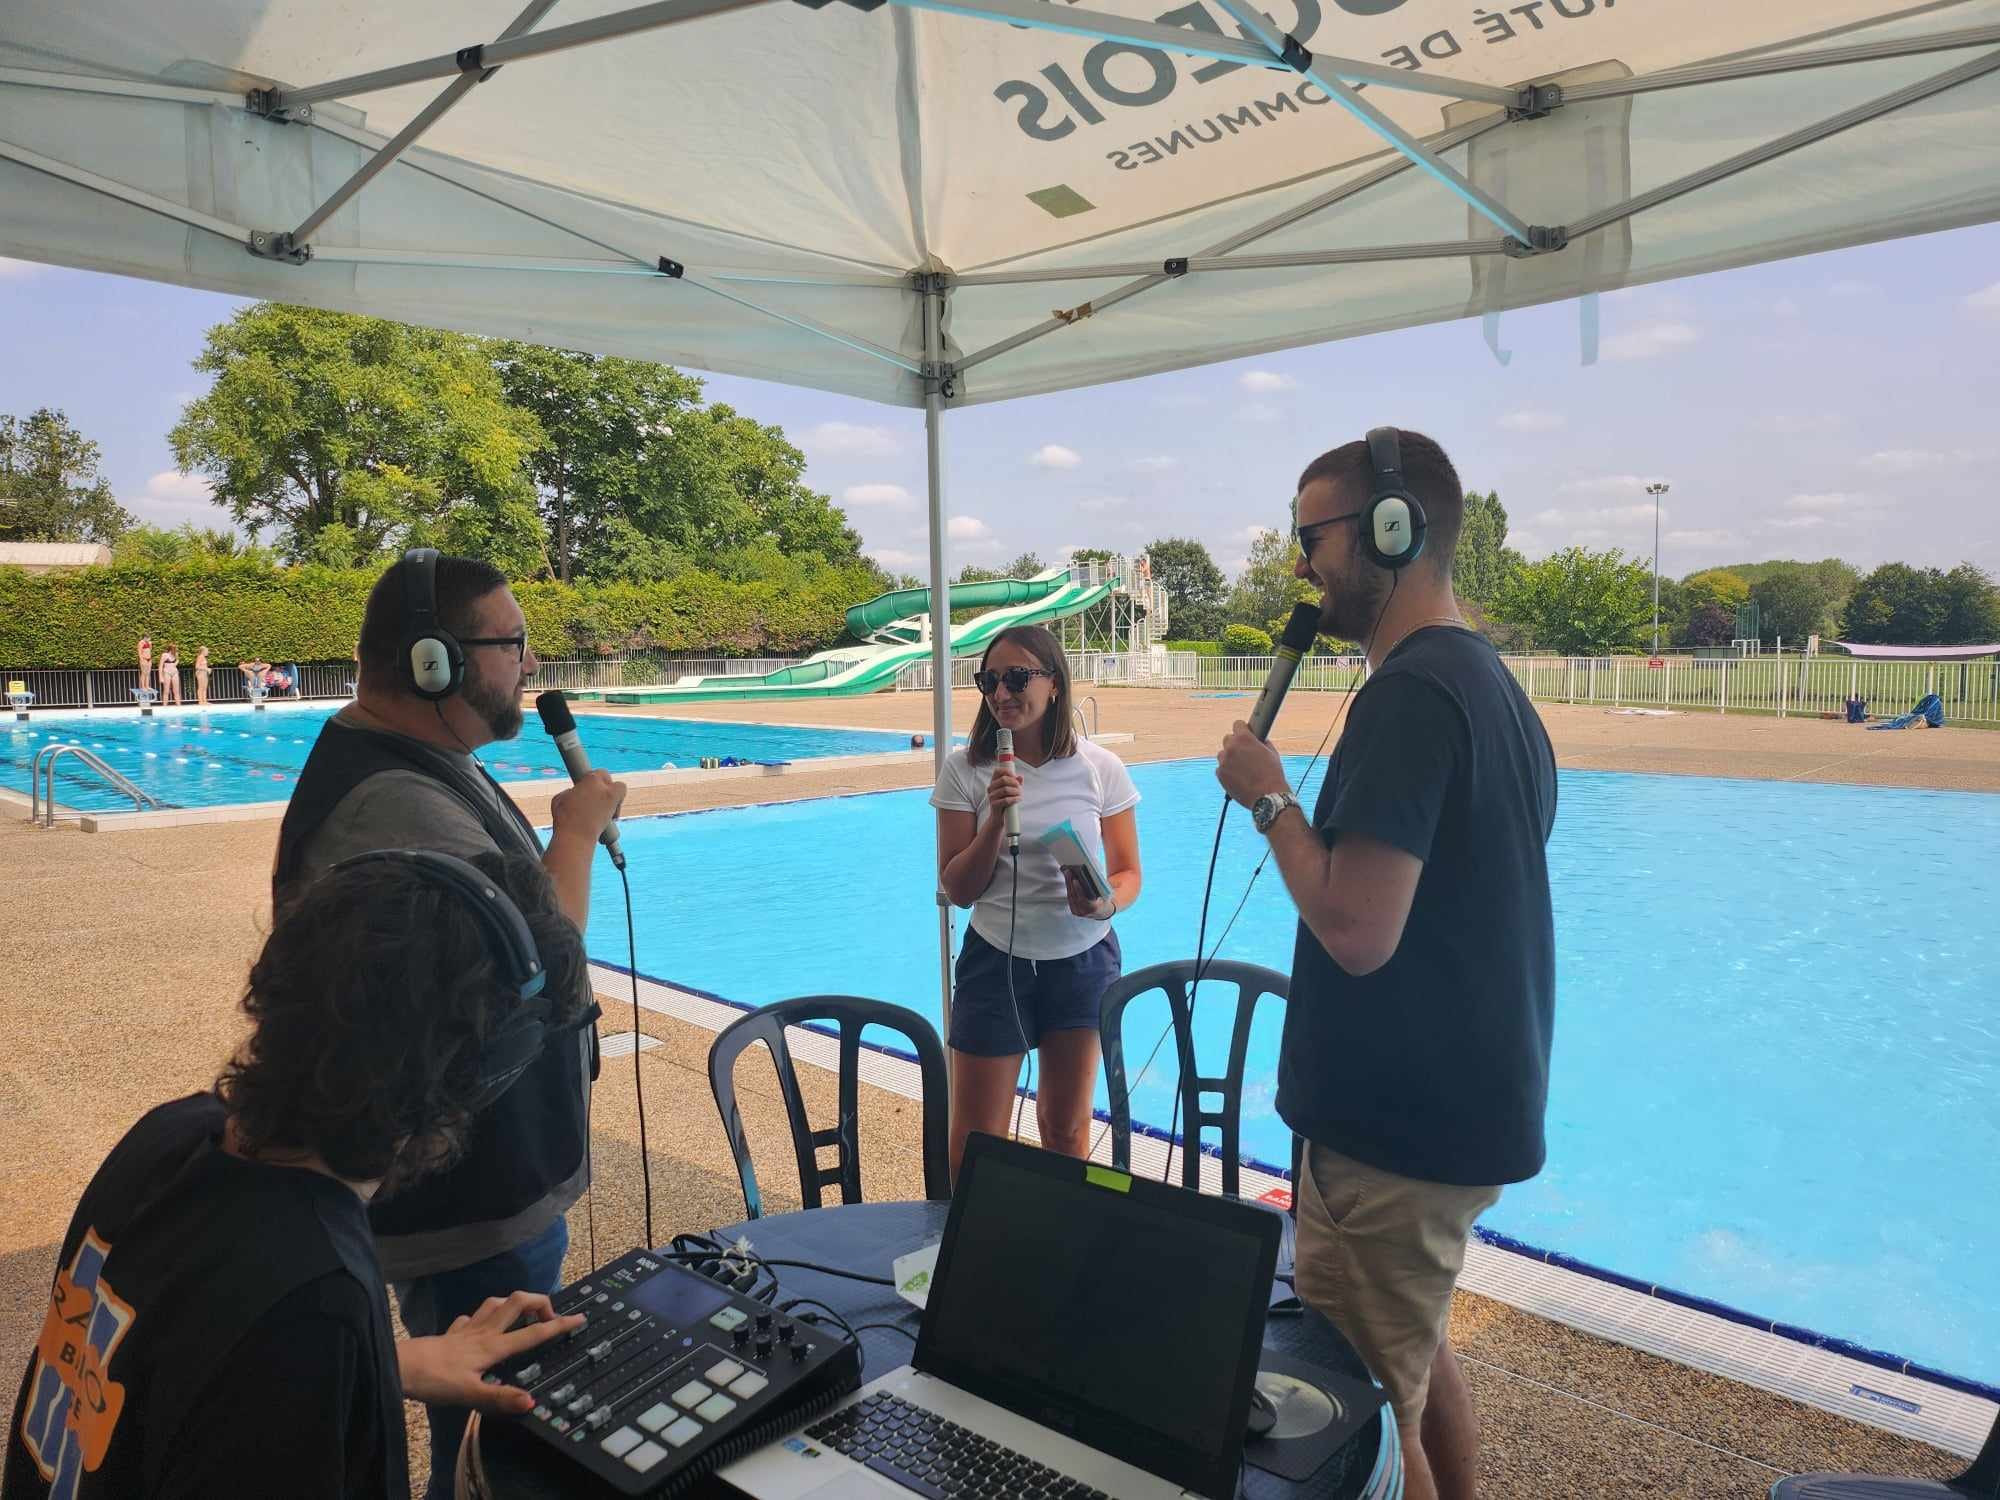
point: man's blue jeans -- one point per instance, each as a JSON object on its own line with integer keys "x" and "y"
{"x": 431, "y": 1303}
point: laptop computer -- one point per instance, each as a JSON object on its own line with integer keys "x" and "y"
{"x": 1089, "y": 1335}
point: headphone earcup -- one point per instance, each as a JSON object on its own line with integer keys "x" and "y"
{"x": 1393, "y": 530}
{"x": 433, "y": 667}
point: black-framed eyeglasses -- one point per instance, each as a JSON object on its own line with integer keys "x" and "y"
{"x": 1016, "y": 678}
{"x": 1308, "y": 536}
{"x": 518, "y": 642}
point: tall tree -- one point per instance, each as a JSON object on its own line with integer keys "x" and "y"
{"x": 1267, "y": 588}
{"x": 1580, "y": 603}
{"x": 186, "y": 546}
{"x": 319, "y": 419}
{"x": 1796, "y": 600}
{"x": 1971, "y": 607}
{"x": 1195, "y": 587}
{"x": 602, "y": 421}
{"x": 1898, "y": 605}
{"x": 1482, "y": 562}
{"x": 50, "y": 490}
{"x": 1027, "y": 565}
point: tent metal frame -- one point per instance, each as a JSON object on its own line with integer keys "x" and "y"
{"x": 1261, "y": 44}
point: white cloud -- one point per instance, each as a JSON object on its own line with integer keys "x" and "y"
{"x": 1259, "y": 412}
{"x": 1794, "y": 523}
{"x": 1900, "y": 460}
{"x": 1104, "y": 502}
{"x": 1986, "y": 300}
{"x": 851, "y": 440}
{"x": 1528, "y": 419}
{"x": 896, "y": 560}
{"x": 1250, "y": 533}
{"x": 1835, "y": 500}
{"x": 1785, "y": 307}
{"x": 1055, "y": 456}
{"x": 967, "y": 529}
{"x": 1159, "y": 463}
{"x": 171, "y": 487}
{"x": 1701, "y": 537}
{"x": 18, "y": 269}
{"x": 1649, "y": 340}
{"x": 1613, "y": 484}
{"x": 1266, "y": 382}
{"x": 876, "y": 494}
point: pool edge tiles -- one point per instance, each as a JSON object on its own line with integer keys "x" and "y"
{"x": 1897, "y": 1402}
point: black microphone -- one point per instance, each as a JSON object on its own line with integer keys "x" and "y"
{"x": 561, "y": 725}
{"x": 1300, "y": 631}
{"x": 1003, "y": 751}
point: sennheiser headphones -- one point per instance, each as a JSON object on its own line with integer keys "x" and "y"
{"x": 522, "y": 1027}
{"x": 432, "y": 661}
{"x": 1393, "y": 525}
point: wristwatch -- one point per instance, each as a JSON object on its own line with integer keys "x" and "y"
{"x": 1264, "y": 811}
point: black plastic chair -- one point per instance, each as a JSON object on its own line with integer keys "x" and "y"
{"x": 850, "y": 1013}
{"x": 1980, "y": 1482}
{"x": 1251, "y": 983}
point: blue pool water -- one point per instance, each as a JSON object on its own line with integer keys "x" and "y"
{"x": 1777, "y": 1061}
{"x": 232, "y": 755}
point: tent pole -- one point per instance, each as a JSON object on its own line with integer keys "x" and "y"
{"x": 1326, "y": 73}
{"x": 1237, "y": 241}
{"x": 937, "y": 388}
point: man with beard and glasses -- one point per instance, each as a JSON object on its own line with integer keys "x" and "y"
{"x": 444, "y": 660}
{"x": 1415, "y": 1060}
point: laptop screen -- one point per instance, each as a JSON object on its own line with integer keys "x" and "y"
{"x": 1124, "y": 1314}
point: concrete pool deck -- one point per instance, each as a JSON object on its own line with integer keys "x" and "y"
{"x": 126, "y": 958}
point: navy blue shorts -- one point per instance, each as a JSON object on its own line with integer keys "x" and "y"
{"x": 1055, "y": 994}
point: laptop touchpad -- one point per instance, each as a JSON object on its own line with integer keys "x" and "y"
{"x": 852, "y": 1486}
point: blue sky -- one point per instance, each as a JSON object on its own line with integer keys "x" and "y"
{"x": 1840, "y": 404}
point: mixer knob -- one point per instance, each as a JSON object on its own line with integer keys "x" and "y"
{"x": 763, "y": 1346}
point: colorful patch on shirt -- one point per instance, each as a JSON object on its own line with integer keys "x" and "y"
{"x": 73, "y": 1405}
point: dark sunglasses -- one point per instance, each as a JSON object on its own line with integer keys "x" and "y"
{"x": 1016, "y": 678}
{"x": 518, "y": 642}
{"x": 1308, "y": 536}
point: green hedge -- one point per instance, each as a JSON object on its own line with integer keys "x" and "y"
{"x": 93, "y": 617}
{"x": 1199, "y": 648}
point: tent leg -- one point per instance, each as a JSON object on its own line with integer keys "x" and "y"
{"x": 934, "y": 399}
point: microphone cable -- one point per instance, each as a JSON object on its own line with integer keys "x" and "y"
{"x": 638, "y": 1078}
{"x": 1208, "y": 886}
{"x": 1020, "y": 1027}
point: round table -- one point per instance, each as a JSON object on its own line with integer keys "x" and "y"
{"x": 867, "y": 1237}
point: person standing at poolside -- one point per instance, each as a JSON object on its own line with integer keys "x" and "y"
{"x": 1065, "y": 954}
{"x": 201, "y": 677}
{"x": 394, "y": 769}
{"x": 1415, "y": 1059}
{"x": 145, "y": 662}
{"x": 170, "y": 675}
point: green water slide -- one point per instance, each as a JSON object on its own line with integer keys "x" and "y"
{"x": 893, "y": 626}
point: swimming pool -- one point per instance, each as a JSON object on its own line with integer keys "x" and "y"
{"x": 225, "y": 756}
{"x": 1777, "y": 1062}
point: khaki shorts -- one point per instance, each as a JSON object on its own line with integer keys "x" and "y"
{"x": 1378, "y": 1255}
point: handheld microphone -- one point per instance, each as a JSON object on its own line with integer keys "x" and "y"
{"x": 1300, "y": 630}
{"x": 1003, "y": 751}
{"x": 561, "y": 725}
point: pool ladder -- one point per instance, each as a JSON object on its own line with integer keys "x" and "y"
{"x": 42, "y": 805}
{"x": 1088, "y": 731}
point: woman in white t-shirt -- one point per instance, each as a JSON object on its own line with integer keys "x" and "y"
{"x": 1064, "y": 953}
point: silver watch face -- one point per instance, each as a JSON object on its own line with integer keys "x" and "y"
{"x": 1267, "y": 809}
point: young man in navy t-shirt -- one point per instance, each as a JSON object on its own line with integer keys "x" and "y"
{"x": 1415, "y": 1060}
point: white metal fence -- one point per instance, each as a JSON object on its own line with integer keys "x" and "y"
{"x": 1816, "y": 686}
{"x": 117, "y": 687}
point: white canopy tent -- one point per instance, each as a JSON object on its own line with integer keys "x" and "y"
{"x": 941, "y": 202}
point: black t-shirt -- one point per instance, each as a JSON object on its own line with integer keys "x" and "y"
{"x": 215, "y": 1327}
{"x": 1436, "y": 1066}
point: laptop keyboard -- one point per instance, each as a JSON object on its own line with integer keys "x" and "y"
{"x": 938, "y": 1458}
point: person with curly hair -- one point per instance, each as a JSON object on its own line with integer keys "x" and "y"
{"x": 218, "y": 1322}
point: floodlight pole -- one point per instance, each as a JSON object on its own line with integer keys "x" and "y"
{"x": 1656, "y": 489}
{"x": 935, "y": 289}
